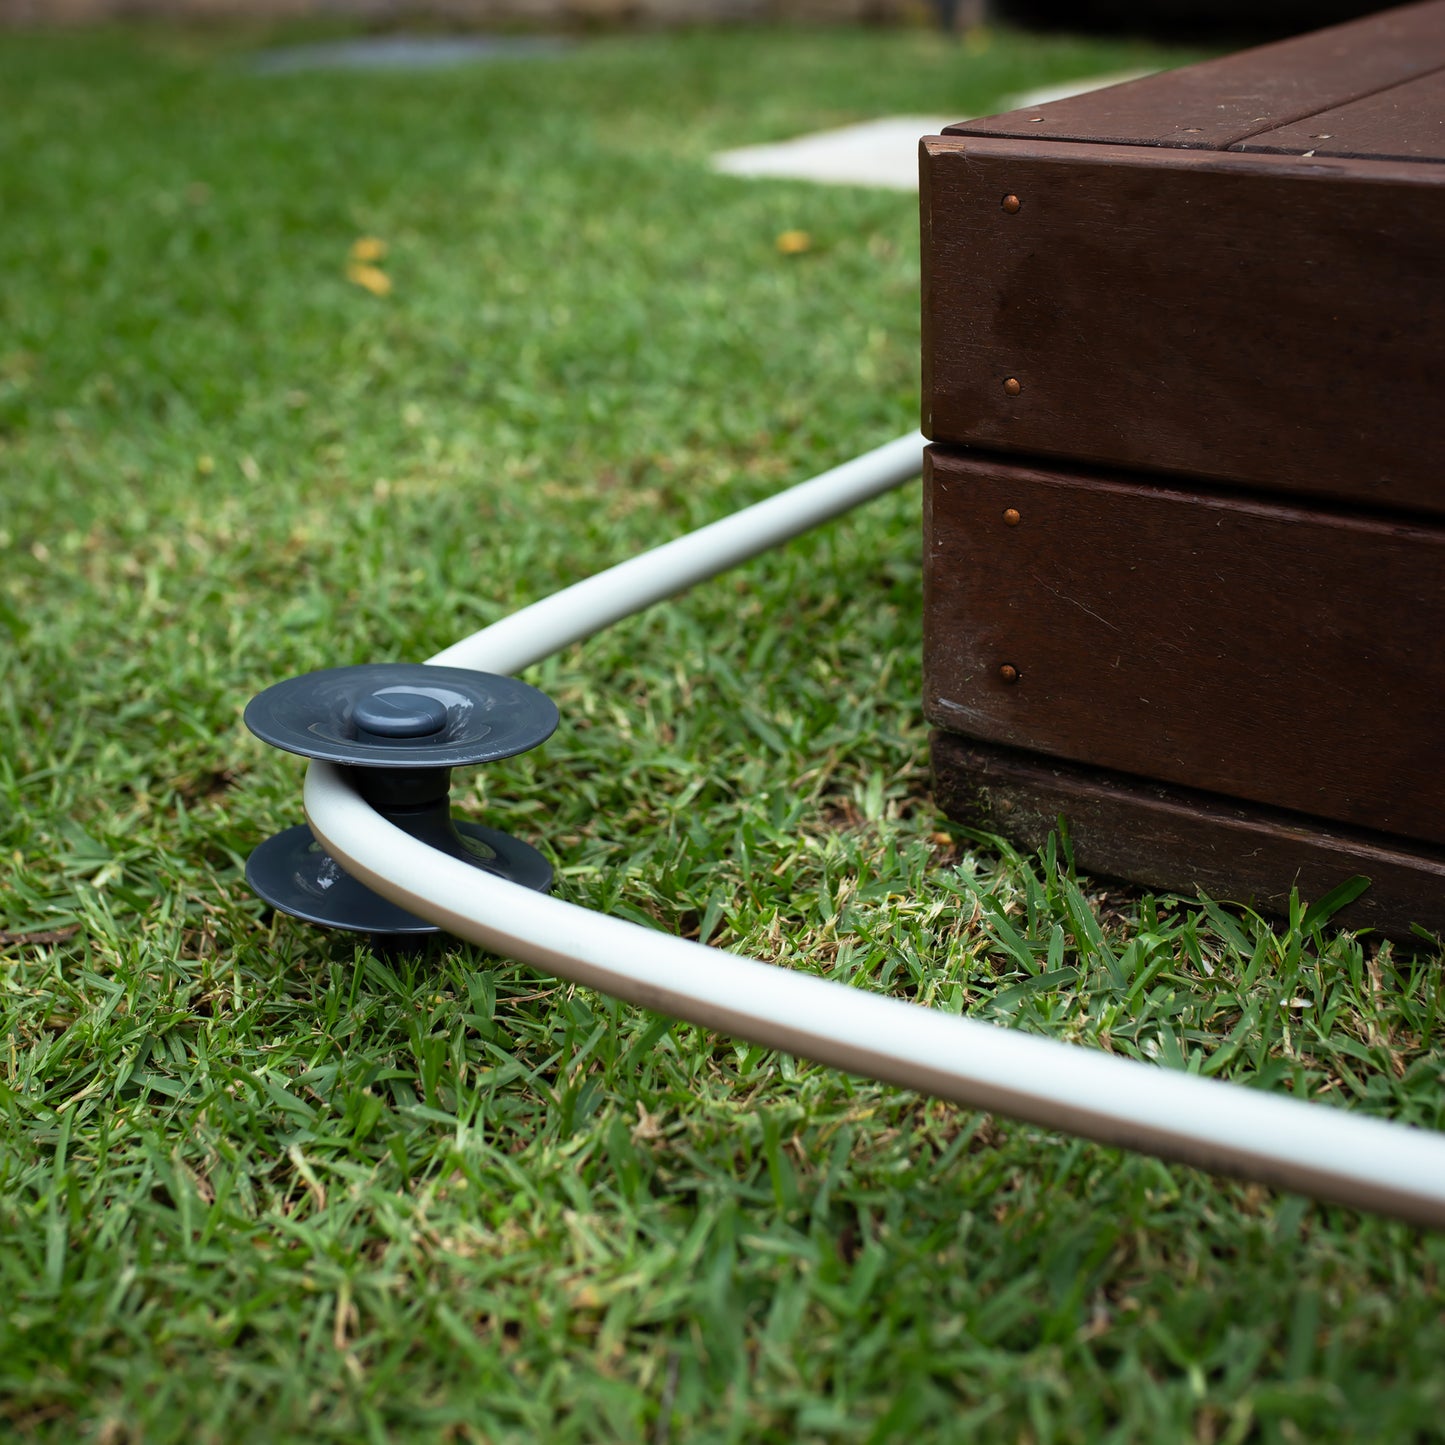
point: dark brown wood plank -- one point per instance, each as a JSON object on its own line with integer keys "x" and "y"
{"x": 1213, "y": 105}
{"x": 1256, "y": 319}
{"x": 1169, "y": 838}
{"x": 1404, "y": 123}
{"x": 1260, "y": 651}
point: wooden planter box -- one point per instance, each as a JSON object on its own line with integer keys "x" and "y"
{"x": 1184, "y": 369}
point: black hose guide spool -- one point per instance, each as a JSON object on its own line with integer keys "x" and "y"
{"x": 402, "y": 728}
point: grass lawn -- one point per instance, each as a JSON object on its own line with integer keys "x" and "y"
{"x": 262, "y": 1183}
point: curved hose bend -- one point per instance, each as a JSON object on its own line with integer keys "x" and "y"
{"x": 1311, "y": 1148}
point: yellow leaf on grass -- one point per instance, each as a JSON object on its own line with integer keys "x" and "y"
{"x": 368, "y": 248}
{"x": 372, "y": 278}
{"x": 794, "y": 243}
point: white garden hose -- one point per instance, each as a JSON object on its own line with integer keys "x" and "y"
{"x": 1312, "y": 1148}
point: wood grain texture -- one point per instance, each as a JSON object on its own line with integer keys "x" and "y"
{"x": 1261, "y": 651}
{"x": 1214, "y": 105}
{"x": 1182, "y": 841}
{"x": 1403, "y": 123}
{"x": 1262, "y": 320}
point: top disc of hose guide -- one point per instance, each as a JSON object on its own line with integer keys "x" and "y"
{"x": 402, "y": 715}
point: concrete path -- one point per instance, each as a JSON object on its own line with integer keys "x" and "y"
{"x": 880, "y": 152}
{"x": 876, "y": 153}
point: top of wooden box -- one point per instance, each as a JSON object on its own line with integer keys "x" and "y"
{"x": 1373, "y": 89}
{"x": 1233, "y": 272}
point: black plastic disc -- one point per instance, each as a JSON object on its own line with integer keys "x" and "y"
{"x": 401, "y": 703}
{"x": 293, "y": 873}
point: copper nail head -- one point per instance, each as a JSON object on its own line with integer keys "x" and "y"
{"x": 1012, "y": 386}
{"x": 1011, "y": 204}
{"x": 1009, "y": 673}
{"x": 1011, "y": 516}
